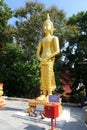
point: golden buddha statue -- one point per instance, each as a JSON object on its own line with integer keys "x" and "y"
{"x": 47, "y": 49}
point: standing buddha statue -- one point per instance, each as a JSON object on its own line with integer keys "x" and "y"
{"x": 47, "y": 49}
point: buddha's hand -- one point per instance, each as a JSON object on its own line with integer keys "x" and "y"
{"x": 43, "y": 60}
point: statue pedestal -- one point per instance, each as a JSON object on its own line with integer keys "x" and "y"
{"x": 39, "y": 105}
{"x": 2, "y": 101}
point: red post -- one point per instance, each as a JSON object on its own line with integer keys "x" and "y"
{"x": 51, "y": 111}
{"x": 53, "y": 124}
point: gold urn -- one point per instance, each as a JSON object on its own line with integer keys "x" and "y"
{"x": 2, "y": 101}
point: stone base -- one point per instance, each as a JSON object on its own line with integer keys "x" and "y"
{"x": 60, "y": 109}
{"x": 38, "y": 105}
{"x": 60, "y": 121}
{"x": 46, "y": 98}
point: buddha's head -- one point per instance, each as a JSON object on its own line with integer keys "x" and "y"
{"x": 48, "y": 25}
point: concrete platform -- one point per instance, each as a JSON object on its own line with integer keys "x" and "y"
{"x": 10, "y": 121}
{"x": 60, "y": 121}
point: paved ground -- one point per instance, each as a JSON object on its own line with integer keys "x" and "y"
{"x": 10, "y": 122}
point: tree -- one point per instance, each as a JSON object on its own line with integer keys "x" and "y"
{"x": 28, "y": 31}
{"x": 20, "y": 77}
{"x": 5, "y": 14}
{"x": 29, "y": 28}
{"x": 30, "y": 22}
{"x": 76, "y": 52}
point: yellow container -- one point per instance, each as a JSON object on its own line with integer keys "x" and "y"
{"x": 2, "y": 101}
{"x": 1, "y": 89}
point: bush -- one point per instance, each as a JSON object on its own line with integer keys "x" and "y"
{"x": 19, "y": 75}
{"x": 76, "y": 97}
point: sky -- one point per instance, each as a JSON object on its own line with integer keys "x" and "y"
{"x": 70, "y": 7}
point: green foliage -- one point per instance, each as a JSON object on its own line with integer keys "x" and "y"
{"x": 5, "y": 14}
{"x": 76, "y": 97}
{"x": 30, "y": 21}
{"x": 19, "y": 68}
{"x": 20, "y": 76}
{"x": 57, "y": 71}
{"x": 29, "y": 29}
{"x": 76, "y": 52}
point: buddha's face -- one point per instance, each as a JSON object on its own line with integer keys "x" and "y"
{"x": 47, "y": 28}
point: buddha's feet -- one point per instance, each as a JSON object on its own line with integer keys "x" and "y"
{"x": 42, "y": 98}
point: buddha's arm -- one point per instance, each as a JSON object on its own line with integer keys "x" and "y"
{"x": 39, "y": 49}
{"x": 56, "y": 49}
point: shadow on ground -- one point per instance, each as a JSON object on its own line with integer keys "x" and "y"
{"x": 74, "y": 125}
{"x": 11, "y": 109}
{"x": 33, "y": 127}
